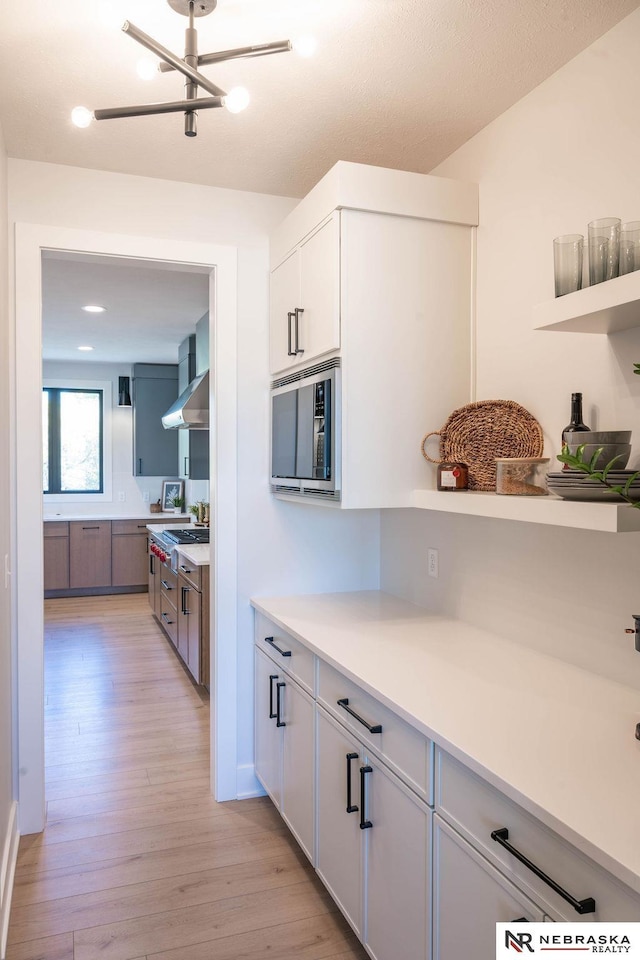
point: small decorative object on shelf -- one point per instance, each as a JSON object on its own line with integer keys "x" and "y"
{"x": 592, "y": 483}
{"x": 452, "y": 476}
{"x": 521, "y": 476}
{"x": 172, "y": 491}
{"x": 155, "y": 507}
{"x": 576, "y": 424}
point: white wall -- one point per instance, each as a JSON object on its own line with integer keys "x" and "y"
{"x": 281, "y": 547}
{"x": 567, "y": 153}
{"x": 7, "y": 659}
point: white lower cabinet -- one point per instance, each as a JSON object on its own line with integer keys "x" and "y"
{"x": 285, "y": 756}
{"x": 470, "y": 897}
{"x": 373, "y": 846}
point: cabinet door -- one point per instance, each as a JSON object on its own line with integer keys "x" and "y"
{"x": 398, "y": 874}
{"x": 285, "y": 294}
{"x": 56, "y": 563}
{"x": 155, "y": 449}
{"x": 268, "y": 748}
{"x": 129, "y": 560}
{"x": 90, "y": 554}
{"x": 339, "y": 850}
{"x": 319, "y": 324}
{"x": 471, "y": 896}
{"x": 189, "y": 627}
{"x": 298, "y": 765}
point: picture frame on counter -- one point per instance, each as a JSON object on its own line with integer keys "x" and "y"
{"x": 170, "y": 490}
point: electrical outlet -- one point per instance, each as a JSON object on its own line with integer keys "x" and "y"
{"x": 432, "y": 562}
{"x": 145, "y": 496}
{"x": 121, "y": 496}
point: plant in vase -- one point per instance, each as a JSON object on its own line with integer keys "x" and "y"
{"x": 576, "y": 461}
{"x": 178, "y": 504}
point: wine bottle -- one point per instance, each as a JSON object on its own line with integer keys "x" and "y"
{"x": 577, "y": 425}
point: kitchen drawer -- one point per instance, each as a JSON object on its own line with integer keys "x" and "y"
{"x": 402, "y": 747}
{"x": 128, "y": 526}
{"x": 191, "y": 572}
{"x": 168, "y": 582}
{"x": 291, "y": 656}
{"x": 475, "y": 809}
{"x": 56, "y": 528}
{"x": 169, "y": 616}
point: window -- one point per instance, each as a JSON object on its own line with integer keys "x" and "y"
{"x": 72, "y": 431}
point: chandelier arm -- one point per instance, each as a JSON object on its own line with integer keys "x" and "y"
{"x": 146, "y": 41}
{"x": 150, "y": 109}
{"x": 258, "y": 50}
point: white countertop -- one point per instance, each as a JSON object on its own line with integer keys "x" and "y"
{"x": 555, "y": 738}
{"x": 182, "y": 519}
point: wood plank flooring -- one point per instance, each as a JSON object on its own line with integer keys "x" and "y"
{"x": 137, "y": 861}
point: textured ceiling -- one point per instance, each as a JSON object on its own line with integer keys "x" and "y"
{"x": 397, "y": 83}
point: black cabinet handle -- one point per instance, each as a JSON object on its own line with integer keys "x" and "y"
{"x": 588, "y": 905}
{"x": 372, "y": 728}
{"x": 186, "y": 469}
{"x": 166, "y": 585}
{"x": 91, "y": 528}
{"x": 296, "y": 314}
{"x": 290, "y": 351}
{"x": 142, "y": 526}
{"x": 139, "y": 466}
{"x": 351, "y": 808}
{"x": 279, "y": 686}
{"x": 183, "y": 596}
{"x": 272, "y": 677}
{"x": 165, "y": 617}
{"x": 185, "y": 569}
{"x": 272, "y": 643}
{"x": 151, "y": 567}
{"x": 364, "y": 824}
{"x": 520, "y": 920}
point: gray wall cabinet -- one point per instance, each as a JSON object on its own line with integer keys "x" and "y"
{"x": 155, "y": 450}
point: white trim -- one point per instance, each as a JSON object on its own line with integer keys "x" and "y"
{"x": 30, "y": 241}
{"x": 107, "y": 442}
{"x": 7, "y": 874}
{"x": 248, "y": 783}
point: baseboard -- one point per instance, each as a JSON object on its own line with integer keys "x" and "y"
{"x": 247, "y": 784}
{"x": 7, "y": 873}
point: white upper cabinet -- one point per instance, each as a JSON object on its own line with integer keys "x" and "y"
{"x": 305, "y": 300}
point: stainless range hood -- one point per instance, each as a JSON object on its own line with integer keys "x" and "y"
{"x": 191, "y": 409}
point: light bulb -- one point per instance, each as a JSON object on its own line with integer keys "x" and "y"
{"x": 81, "y": 117}
{"x": 146, "y": 68}
{"x": 237, "y": 99}
{"x": 304, "y": 46}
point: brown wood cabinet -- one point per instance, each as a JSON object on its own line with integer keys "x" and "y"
{"x": 129, "y": 551}
{"x": 56, "y": 555}
{"x": 89, "y": 553}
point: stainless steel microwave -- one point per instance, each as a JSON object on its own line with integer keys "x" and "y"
{"x": 305, "y": 432}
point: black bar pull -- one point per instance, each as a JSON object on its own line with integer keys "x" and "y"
{"x": 588, "y": 905}
{"x": 185, "y": 569}
{"x": 272, "y": 643}
{"x": 166, "y": 585}
{"x": 272, "y": 677}
{"x": 351, "y": 807}
{"x": 364, "y": 824}
{"x": 183, "y": 596}
{"x": 91, "y": 528}
{"x": 290, "y": 351}
{"x": 279, "y": 721}
{"x": 298, "y": 349}
{"x": 372, "y": 728}
{"x": 165, "y": 617}
{"x": 151, "y": 570}
{"x": 139, "y": 466}
{"x": 142, "y": 526}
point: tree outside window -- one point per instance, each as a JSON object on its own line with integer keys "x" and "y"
{"x": 72, "y": 422}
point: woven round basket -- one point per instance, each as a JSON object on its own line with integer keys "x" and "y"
{"x": 478, "y": 433}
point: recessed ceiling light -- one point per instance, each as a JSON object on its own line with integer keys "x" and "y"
{"x": 85, "y": 348}
{"x": 94, "y": 308}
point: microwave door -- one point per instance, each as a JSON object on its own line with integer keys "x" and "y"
{"x": 304, "y": 433}
{"x": 284, "y": 413}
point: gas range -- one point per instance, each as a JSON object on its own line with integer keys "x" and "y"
{"x": 192, "y": 535}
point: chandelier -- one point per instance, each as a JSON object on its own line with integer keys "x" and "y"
{"x": 234, "y": 101}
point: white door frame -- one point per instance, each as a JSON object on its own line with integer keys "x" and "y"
{"x": 30, "y": 241}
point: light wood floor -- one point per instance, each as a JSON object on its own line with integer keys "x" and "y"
{"x": 137, "y": 860}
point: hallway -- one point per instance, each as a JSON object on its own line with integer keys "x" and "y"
{"x": 137, "y": 860}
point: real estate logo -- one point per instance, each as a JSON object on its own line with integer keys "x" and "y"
{"x": 561, "y": 939}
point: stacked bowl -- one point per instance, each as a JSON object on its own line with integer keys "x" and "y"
{"x": 577, "y": 485}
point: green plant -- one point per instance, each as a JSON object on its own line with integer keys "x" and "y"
{"x": 194, "y": 509}
{"x": 637, "y": 368}
{"x": 577, "y": 462}
{"x": 177, "y": 501}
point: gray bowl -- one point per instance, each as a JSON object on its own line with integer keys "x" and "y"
{"x": 620, "y": 452}
{"x": 602, "y": 436}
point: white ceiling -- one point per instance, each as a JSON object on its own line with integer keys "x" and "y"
{"x": 150, "y": 308}
{"x": 397, "y": 83}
